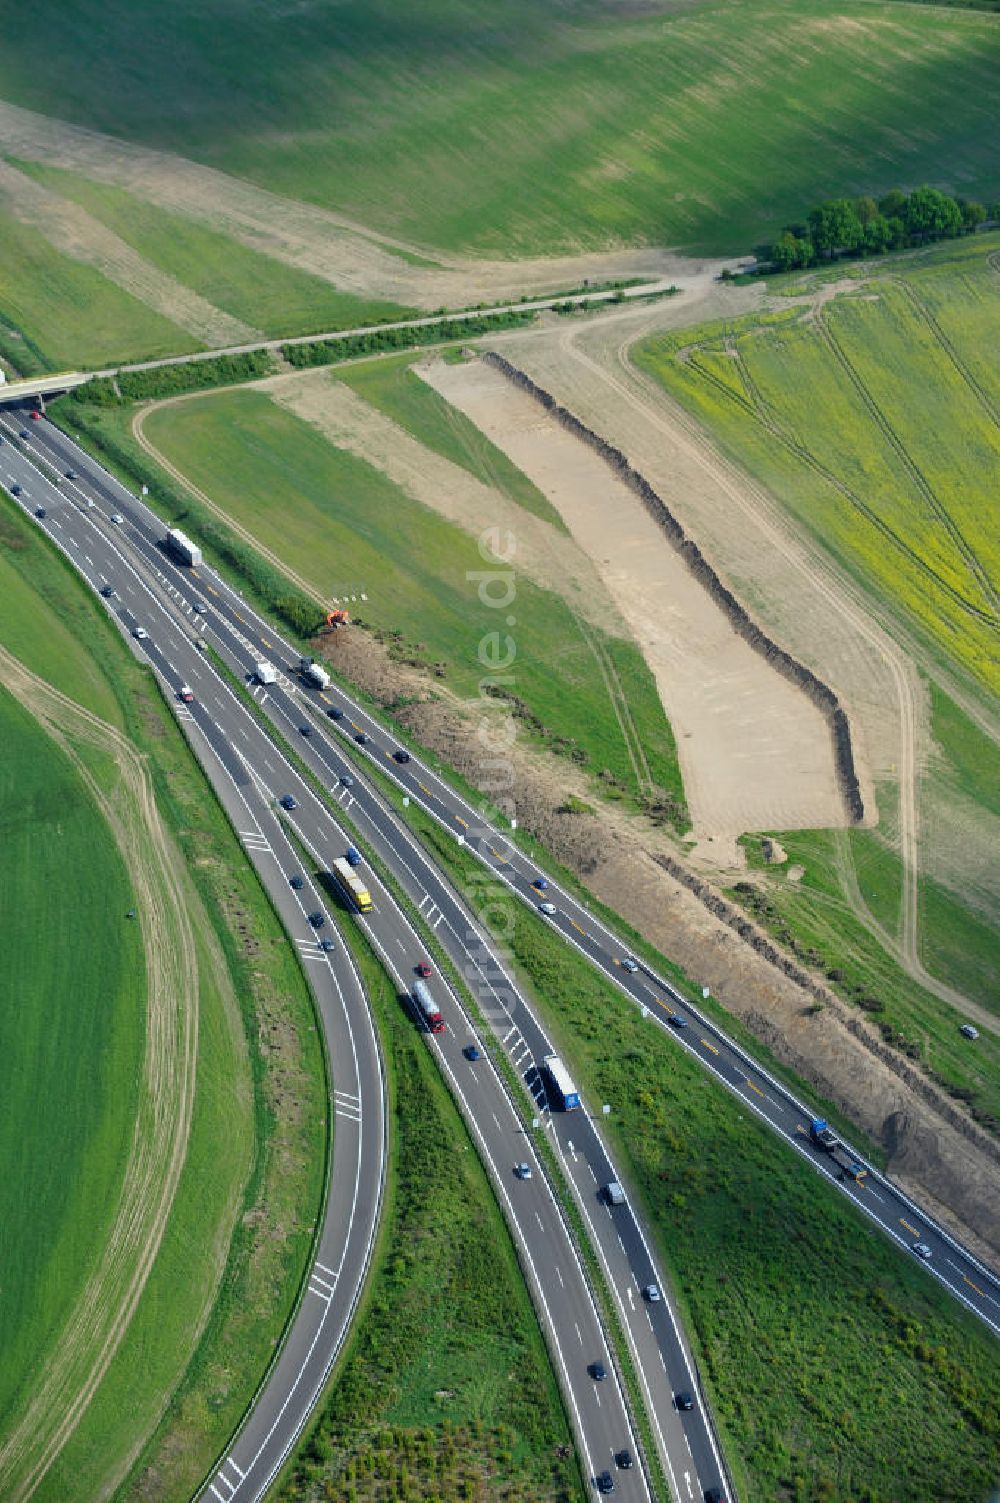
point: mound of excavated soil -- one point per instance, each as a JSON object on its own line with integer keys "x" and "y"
{"x": 935, "y": 1152}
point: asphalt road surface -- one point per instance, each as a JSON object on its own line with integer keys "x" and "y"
{"x": 168, "y": 593}
{"x": 252, "y": 773}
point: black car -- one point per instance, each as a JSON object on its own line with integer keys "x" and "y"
{"x": 24, "y": 433}
{"x": 471, "y": 1052}
{"x": 684, "y": 1401}
{"x": 288, "y": 802}
{"x": 714, "y": 1495}
{"x": 623, "y": 1460}
{"x": 317, "y": 919}
{"x": 361, "y": 739}
{"x": 326, "y": 944}
{"x": 597, "y": 1372}
{"x": 334, "y": 713}
{"x": 15, "y": 489}
{"x": 70, "y": 474}
{"x": 605, "y": 1482}
{"x": 296, "y": 882}
{"x": 107, "y": 591}
{"x": 305, "y": 730}
{"x": 401, "y": 756}
{"x": 39, "y": 511}
{"x": 346, "y": 780}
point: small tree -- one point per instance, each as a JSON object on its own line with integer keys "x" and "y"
{"x": 835, "y": 226}
{"x": 973, "y": 214}
{"x": 931, "y": 214}
{"x": 893, "y": 204}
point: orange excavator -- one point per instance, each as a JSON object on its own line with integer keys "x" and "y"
{"x": 337, "y": 618}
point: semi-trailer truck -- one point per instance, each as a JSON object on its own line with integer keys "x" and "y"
{"x": 428, "y": 1008}
{"x": 181, "y": 545}
{"x": 351, "y": 885}
{"x": 566, "y": 1092}
{"x": 822, "y": 1135}
{"x": 313, "y": 674}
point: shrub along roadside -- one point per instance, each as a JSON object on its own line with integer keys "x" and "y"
{"x": 351, "y": 346}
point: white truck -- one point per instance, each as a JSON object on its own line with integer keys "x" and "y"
{"x": 181, "y": 545}
{"x": 264, "y": 672}
{"x": 313, "y": 674}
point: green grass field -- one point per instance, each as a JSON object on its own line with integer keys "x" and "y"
{"x": 57, "y": 314}
{"x": 875, "y": 424}
{"x": 445, "y": 1391}
{"x": 346, "y": 528}
{"x": 264, "y": 293}
{"x": 73, "y": 984}
{"x": 839, "y": 1372}
{"x": 253, "y": 1142}
{"x": 513, "y": 126}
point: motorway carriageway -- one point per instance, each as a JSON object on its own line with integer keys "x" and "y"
{"x": 256, "y": 772}
{"x": 972, "y": 1283}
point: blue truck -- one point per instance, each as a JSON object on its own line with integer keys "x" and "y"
{"x": 823, "y": 1137}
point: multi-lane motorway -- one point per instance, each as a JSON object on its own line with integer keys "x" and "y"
{"x": 250, "y": 771}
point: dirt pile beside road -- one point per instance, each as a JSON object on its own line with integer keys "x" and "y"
{"x": 935, "y": 1152}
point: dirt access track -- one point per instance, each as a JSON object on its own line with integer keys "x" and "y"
{"x": 755, "y": 753}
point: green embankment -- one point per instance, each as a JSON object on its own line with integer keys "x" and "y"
{"x": 838, "y": 1371}
{"x": 73, "y": 982}
{"x": 459, "y": 122}
{"x": 345, "y": 528}
{"x": 253, "y": 1159}
{"x": 445, "y": 1390}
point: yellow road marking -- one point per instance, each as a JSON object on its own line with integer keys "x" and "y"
{"x": 578, "y": 927}
{"x": 271, "y": 644}
{"x": 211, "y": 589}
{"x": 500, "y": 857}
{"x": 458, "y": 818}
{"x": 240, "y": 618}
{"x": 324, "y": 697}
{"x": 749, "y": 1083}
{"x": 616, "y": 961}
{"x": 195, "y": 573}
{"x": 909, "y": 1228}
{"x": 710, "y": 1046}
{"x": 355, "y": 726}
{"x": 430, "y": 794}
{"x": 974, "y": 1286}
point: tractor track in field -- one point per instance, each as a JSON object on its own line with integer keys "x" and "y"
{"x": 755, "y": 406}
{"x": 910, "y": 466}
{"x": 72, "y": 1372}
{"x": 978, "y": 390}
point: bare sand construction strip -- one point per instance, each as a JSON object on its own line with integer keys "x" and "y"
{"x": 69, "y": 1375}
{"x": 755, "y": 753}
{"x": 77, "y": 234}
{"x": 548, "y": 557}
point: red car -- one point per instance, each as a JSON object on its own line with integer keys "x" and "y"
{"x": 423, "y": 969}
{"x": 34, "y": 415}
{"x": 187, "y": 694}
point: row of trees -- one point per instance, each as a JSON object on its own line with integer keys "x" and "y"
{"x": 866, "y": 227}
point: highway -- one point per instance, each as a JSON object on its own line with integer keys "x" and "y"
{"x": 685, "y": 1441}
{"x": 252, "y": 772}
